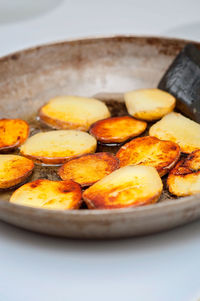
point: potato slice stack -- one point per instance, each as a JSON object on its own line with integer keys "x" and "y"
{"x": 14, "y": 170}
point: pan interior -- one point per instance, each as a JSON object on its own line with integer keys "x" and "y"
{"x": 104, "y": 68}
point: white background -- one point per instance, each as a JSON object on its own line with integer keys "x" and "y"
{"x": 163, "y": 267}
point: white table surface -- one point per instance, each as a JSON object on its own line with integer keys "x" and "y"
{"x": 162, "y": 267}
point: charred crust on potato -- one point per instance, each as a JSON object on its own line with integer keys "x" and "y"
{"x": 15, "y": 171}
{"x": 106, "y": 162}
{"x": 116, "y": 130}
{"x": 150, "y": 150}
{"x": 13, "y": 132}
{"x": 130, "y": 186}
{"x": 184, "y": 178}
{"x": 43, "y": 193}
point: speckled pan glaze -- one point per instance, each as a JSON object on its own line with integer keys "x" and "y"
{"x": 105, "y": 67}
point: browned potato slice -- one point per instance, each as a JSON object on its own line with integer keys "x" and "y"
{"x": 73, "y": 112}
{"x": 42, "y": 193}
{"x": 88, "y": 169}
{"x": 57, "y": 147}
{"x": 184, "y": 179}
{"x": 129, "y": 186}
{"x": 13, "y": 132}
{"x": 149, "y": 104}
{"x": 117, "y": 129}
{"x": 151, "y": 151}
{"x": 14, "y": 170}
{"x": 193, "y": 160}
{"x": 177, "y": 128}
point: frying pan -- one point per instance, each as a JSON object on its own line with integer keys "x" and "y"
{"x": 101, "y": 67}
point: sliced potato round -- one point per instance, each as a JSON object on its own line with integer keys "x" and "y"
{"x": 42, "y": 193}
{"x": 14, "y": 170}
{"x": 177, "y": 128}
{"x": 88, "y": 169}
{"x": 151, "y": 151}
{"x": 117, "y": 129}
{"x": 13, "y": 132}
{"x": 149, "y": 104}
{"x": 73, "y": 112}
{"x": 57, "y": 147}
{"x": 184, "y": 179}
{"x": 129, "y": 186}
{"x": 193, "y": 161}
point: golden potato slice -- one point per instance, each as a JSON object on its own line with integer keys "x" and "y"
{"x": 42, "y": 193}
{"x": 57, "y": 147}
{"x": 149, "y": 104}
{"x": 151, "y": 151}
{"x": 177, "y": 128}
{"x": 73, "y": 112}
{"x": 129, "y": 186}
{"x": 117, "y": 129}
{"x": 13, "y": 132}
{"x": 193, "y": 161}
{"x": 88, "y": 169}
{"x": 184, "y": 179}
{"x": 14, "y": 170}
